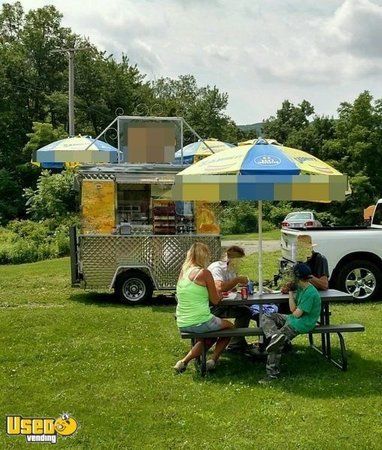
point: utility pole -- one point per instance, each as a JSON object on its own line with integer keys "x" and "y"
{"x": 71, "y": 52}
{"x": 71, "y": 91}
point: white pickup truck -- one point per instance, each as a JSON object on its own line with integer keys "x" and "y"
{"x": 354, "y": 255}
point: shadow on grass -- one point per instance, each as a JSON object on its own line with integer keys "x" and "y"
{"x": 96, "y": 298}
{"x": 109, "y": 299}
{"x": 304, "y": 373}
{"x": 157, "y": 303}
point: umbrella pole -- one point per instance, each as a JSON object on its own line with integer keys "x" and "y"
{"x": 260, "y": 247}
{"x": 260, "y": 227}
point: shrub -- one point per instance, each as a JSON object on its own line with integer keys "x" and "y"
{"x": 241, "y": 217}
{"x": 238, "y": 218}
{"x": 278, "y": 212}
{"x": 54, "y": 196}
{"x": 25, "y": 241}
{"x": 5, "y": 249}
{"x": 326, "y": 219}
{"x": 9, "y": 192}
{"x": 61, "y": 240}
{"x": 22, "y": 251}
{"x": 35, "y": 231}
{"x": 267, "y": 226}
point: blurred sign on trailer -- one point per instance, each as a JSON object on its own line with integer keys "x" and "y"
{"x": 151, "y": 142}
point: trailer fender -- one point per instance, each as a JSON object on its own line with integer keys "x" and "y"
{"x": 144, "y": 269}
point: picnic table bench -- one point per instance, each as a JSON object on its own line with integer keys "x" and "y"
{"x": 324, "y": 328}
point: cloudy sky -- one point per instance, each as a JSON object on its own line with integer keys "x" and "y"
{"x": 260, "y": 52}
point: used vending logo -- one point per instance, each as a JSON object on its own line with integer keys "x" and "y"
{"x": 41, "y": 429}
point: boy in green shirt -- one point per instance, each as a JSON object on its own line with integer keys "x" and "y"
{"x": 305, "y": 306}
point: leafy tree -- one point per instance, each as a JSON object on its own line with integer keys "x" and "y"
{"x": 289, "y": 118}
{"x": 34, "y": 85}
{"x": 202, "y": 107}
{"x": 11, "y": 22}
{"x": 356, "y": 149}
{"x": 43, "y": 134}
{"x": 9, "y": 191}
{"x": 312, "y": 137}
{"x": 54, "y": 196}
{"x": 357, "y": 145}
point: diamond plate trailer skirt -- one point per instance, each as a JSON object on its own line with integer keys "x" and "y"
{"x": 102, "y": 257}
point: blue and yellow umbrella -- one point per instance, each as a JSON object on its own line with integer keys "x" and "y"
{"x": 199, "y": 150}
{"x": 260, "y": 171}
{"x": 75, "y": 151}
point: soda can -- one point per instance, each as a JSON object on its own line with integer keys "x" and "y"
{"x": 250, "y": 287}
{"x": 244, "y": 293}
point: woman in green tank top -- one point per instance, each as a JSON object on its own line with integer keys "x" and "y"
{"x": 194, "y": 291}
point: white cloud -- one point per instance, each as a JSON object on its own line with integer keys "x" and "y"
{"x": 260, "y": 52}
{"x": 356, "y": 28}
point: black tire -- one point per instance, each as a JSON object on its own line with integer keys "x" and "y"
{"x": 134, "y": 287}
{"x": 362, "y": 279}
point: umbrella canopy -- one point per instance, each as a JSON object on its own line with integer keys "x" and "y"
{"x": 253, "y": 141}
{"x": 260, "y": 171}
{"x": 73, "y": 151}
{"x": 198, "y": 150}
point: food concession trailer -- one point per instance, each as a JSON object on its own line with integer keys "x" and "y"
{"x": 133, "y": 238}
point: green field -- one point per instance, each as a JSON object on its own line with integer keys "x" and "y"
{"x": 110, "y": 366}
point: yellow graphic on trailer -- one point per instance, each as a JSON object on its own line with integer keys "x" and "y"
{"x": 205, "y": 218}
{"x": 98, "y": 206}
{"x": 41, "y": 429}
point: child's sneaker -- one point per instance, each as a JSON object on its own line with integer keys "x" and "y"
{"x": 268, "y": 379}
{"x": 180, "y": 367}
{"x": 276, "y": 342}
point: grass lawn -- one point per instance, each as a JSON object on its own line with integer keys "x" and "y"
{"x": 110, "y": 366}
{"x": 273, "y": 235}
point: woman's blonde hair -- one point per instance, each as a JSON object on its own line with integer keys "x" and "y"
{"x": 198, "y": 255}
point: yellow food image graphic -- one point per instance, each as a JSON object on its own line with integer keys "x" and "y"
{"x": 65, "y": 425}
{"x": 206, "y": 220}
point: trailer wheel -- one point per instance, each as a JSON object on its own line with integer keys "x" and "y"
{"x": 362, "y": 279}
{"x": 133, "y": 287}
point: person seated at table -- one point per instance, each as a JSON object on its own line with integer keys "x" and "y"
{"x": 305, "y": 307}
{"x": 194, "y": 290}
{"x": 318, "y": 265}
{"x": 225, "y": 276}
{"x": 316, "y": 261}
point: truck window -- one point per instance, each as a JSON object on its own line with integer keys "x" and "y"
{"x": 377, "y": 218}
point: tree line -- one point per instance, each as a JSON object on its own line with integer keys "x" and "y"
{"x": 33, "y": 111}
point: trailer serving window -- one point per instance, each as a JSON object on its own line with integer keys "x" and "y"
{"x": 133, "y": 203}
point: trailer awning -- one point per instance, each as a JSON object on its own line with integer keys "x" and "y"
{"x": 149, "y": 178}
{"x": 132, "y": 173}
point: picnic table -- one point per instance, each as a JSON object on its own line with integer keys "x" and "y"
{"x": 327, "y": 297}
{"x": 324, "y": 328}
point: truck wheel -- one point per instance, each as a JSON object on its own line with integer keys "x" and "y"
{"x": 133, "y": 287}
{"x": 362, "y": 279}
